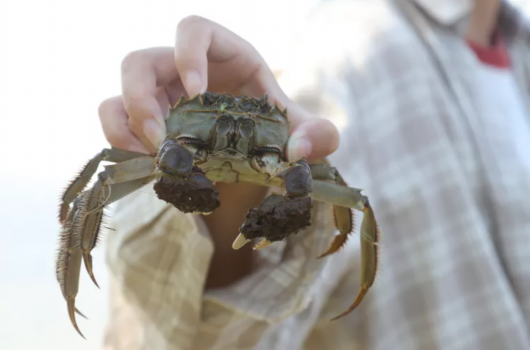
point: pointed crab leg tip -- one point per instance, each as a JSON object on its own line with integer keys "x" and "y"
{"x": 240, "y": 241}
{"x": 87, "y": 258}
{"x": 356, "y": 303}
{"x": 322, "y": 255}
{"x": 94, "y": 280}
{"x": 262, "y": 244}
{"x": 336, "y": 318}
{"x": 80, "y": 314}
{"x": 71, "y": 313}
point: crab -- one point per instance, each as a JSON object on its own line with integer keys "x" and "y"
{"x": 215, "y": 138}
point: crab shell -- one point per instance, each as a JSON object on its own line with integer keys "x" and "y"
{"x": 231, "y": 136}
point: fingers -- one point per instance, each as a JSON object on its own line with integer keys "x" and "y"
{"x": 313, "y": 139}
{"x": 114, "y": 122}
{"x": 142, "y": 73}
{"x": 235, "y": 66}
{"x": 200, "y": 43}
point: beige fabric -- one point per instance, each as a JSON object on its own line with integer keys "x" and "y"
{"x": 450, "y": 196}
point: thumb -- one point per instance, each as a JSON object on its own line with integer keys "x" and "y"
{"x": 313, "y": 139}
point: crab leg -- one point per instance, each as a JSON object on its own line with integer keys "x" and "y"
{"x": 79, "y": 183}
{"x": 103, "y": 193}
{"x": 69, "y": 262}
{"x": 99, "y": 195}
{"x": 80, "y": 233}
{"x": 323, "y": 190}
{"x": 369, "y": 234}
{"x": 344, "y": 217}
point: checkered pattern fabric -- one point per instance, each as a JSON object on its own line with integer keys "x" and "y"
{"x": 447, "y": 185}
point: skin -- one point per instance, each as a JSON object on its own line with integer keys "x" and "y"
{"x": 482, "y": 21}
{"x": 207, "y": 56}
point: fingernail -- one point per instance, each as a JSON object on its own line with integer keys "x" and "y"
{"x": 193, "y": 83}
{"x": 153, "y": 131}
{"x": 298, "y": 147}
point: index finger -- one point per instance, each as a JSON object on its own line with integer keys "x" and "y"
{"x": 200, "y": 41}
{"x": 142, "y": 73}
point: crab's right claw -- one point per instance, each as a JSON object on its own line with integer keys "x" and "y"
{"x": 241, "y": 240}
{"x": 369, "y": 255}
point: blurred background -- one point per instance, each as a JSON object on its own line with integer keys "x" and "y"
{"x": 59, "y": 59}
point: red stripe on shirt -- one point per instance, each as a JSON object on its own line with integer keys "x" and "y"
{"x": 494, "y": 55}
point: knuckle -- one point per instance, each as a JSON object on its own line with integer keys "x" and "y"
{"x": 133, "y": 59}
{"x": 191, "y": 21}
{"x": 117, "y": 138}
{"x": 134, "y": 102}
{"x": 103, "y": 107}
{"x": 112, "y": 137}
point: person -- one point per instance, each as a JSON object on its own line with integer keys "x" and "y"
{"x": 430, "y": 101}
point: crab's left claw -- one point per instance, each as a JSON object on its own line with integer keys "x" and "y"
{"x": 369, "y": 255}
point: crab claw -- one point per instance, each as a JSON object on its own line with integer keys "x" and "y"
{"x": 240, "y": 241}
{"x": 264, "y": 242}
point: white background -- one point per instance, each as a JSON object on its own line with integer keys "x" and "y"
{"x": 58, "y": 60}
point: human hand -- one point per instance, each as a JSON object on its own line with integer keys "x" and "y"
{"x": 206, "y": 56}
{"x": 209, "y": 57}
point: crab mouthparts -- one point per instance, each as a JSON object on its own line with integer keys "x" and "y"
{"x": 230, "y": 152}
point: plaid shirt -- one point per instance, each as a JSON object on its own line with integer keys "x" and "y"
{"x": 448, "y": 188}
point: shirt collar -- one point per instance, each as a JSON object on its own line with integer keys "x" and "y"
{"x": 446, "y": 12}
{"x": 512, "y": 22}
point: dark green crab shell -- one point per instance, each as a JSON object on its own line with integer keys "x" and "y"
{"x": 196, "y": 118}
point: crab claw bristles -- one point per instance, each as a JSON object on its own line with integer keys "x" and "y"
{"x": 240, "y": 241}
{"x": 358, "y": 299}
{"x": 87, "y": 258}
{"x": 262, "y": 244}
{"x": 71, "y": 312}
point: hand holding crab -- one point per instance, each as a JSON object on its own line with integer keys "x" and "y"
{"x": 205, "y": 139}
